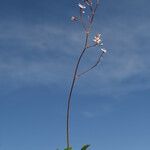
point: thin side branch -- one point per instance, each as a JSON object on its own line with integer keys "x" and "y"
{"x": 90, "y": 46}
{"x": 93, "y": 12}
{"x": 81, "y": 20}
{"x": 92, "y": 67}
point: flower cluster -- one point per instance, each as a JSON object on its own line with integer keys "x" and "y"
{"x": 97, "y": 39}
{"x": 82, "y": 6}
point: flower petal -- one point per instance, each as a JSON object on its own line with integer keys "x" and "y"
{"x": 81, "y": 6}
{"x": 104, "y": 50}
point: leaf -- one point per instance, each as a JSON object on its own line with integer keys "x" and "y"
{"x": 85, "y": 147}
{"x": 70, "y": 148}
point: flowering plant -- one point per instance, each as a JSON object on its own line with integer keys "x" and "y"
{"x": 87, "y": 10}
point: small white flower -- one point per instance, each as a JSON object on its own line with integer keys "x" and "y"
{"x": 88, "y": 2}
{"x": 81, "y": 6}
{"x": 97, "y": 39}
{"x": 83, "y": 12}
{"x": 74, "y": 18}
{"x": 104, "y": 50}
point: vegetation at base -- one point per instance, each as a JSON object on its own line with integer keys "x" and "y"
{"x": 83, "y": 148}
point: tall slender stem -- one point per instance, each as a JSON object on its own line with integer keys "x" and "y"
{"x": 86, "y": 46}
{"x": 71, "y": 89}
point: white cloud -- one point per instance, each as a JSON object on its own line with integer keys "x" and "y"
{"x": 44, "y": 54}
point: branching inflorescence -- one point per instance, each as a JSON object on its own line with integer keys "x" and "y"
{"x": 87, "y": 10}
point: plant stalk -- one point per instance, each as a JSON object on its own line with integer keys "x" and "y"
{"x": 72, "y": 88}
{"x": 86, "y": 46}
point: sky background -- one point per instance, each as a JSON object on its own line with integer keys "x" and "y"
{"x": 39, "y": 46}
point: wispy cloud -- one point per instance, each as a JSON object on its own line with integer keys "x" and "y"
{"x": 45, "y": 54}
{"x": 126, "y": 67}
{"x": 101, "y": 110}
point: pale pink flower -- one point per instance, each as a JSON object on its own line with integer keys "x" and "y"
{"x": 74, "y": 18}
{"x": 97, "y": 39}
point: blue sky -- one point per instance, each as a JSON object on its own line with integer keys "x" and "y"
{"x": 38, "y": 48}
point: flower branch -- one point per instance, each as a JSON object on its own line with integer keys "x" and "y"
{"x": 93, "y": 66}
{"x": 97, "y": 41}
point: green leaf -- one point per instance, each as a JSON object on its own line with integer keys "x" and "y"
{"x": 85, "y": 147}
{"x": 70, "y": 148}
